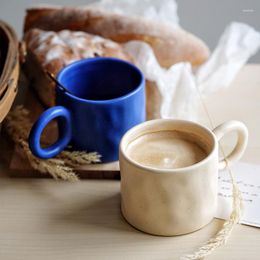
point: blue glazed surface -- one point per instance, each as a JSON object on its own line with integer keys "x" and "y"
{"x": 65, "y": 132}
{"x": 106, "y": 98}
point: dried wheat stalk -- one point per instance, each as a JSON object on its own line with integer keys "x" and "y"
{"x": 18, "y": 125}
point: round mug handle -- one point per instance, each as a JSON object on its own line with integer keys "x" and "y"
{"x": 242, "y": 134}
{"x": 65, "y": 132}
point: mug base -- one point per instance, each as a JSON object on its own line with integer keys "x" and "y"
{"x": 163, "y": 233}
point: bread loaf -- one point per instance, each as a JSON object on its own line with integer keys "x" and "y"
{"x": 170, "y": 44}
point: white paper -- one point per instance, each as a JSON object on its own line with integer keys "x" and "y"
{"x": 248, "y": 179}
{"x": 237, "y": 44}
{"x": 156, "y": 10}
{"x": 181, "y": 89}
{"x": 173, "y": 83}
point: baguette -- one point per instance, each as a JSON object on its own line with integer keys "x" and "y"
{"x": 170, "y": 44}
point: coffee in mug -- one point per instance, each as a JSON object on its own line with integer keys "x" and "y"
{"x": 166, "y": 150}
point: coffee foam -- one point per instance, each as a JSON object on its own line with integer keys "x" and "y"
{"x": 166, "y": 149}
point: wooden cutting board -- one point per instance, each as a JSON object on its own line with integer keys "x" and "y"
{"x": 18, "y": 166}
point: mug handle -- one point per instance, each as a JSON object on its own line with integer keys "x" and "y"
{"x": 65, "y": 132}
{"x": 242, "y": 139}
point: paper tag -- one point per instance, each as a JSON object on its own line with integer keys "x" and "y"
{"x": 247, "y": 177}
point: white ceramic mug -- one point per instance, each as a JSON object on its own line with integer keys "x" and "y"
{"x": 175, "y": 201}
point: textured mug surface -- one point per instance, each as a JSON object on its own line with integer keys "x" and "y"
{"x": 175, "y": 201}
{"x": 104, "y": 98}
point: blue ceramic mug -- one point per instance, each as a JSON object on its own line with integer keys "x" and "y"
{"x": 103, "y": 98}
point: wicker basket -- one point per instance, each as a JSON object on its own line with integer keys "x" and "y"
{"x": 9, "y": 68}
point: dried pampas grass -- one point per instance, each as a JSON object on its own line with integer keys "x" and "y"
{"x": 18, "y": 125}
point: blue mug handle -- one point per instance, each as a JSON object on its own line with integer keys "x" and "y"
{"x": 65, "y": 132}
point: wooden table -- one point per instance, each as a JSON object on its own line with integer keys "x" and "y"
{"x": 46, "y": 219}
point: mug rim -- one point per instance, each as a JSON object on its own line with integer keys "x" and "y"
{"x": 97, "y": 59}
{"x": 122, "y": 151}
